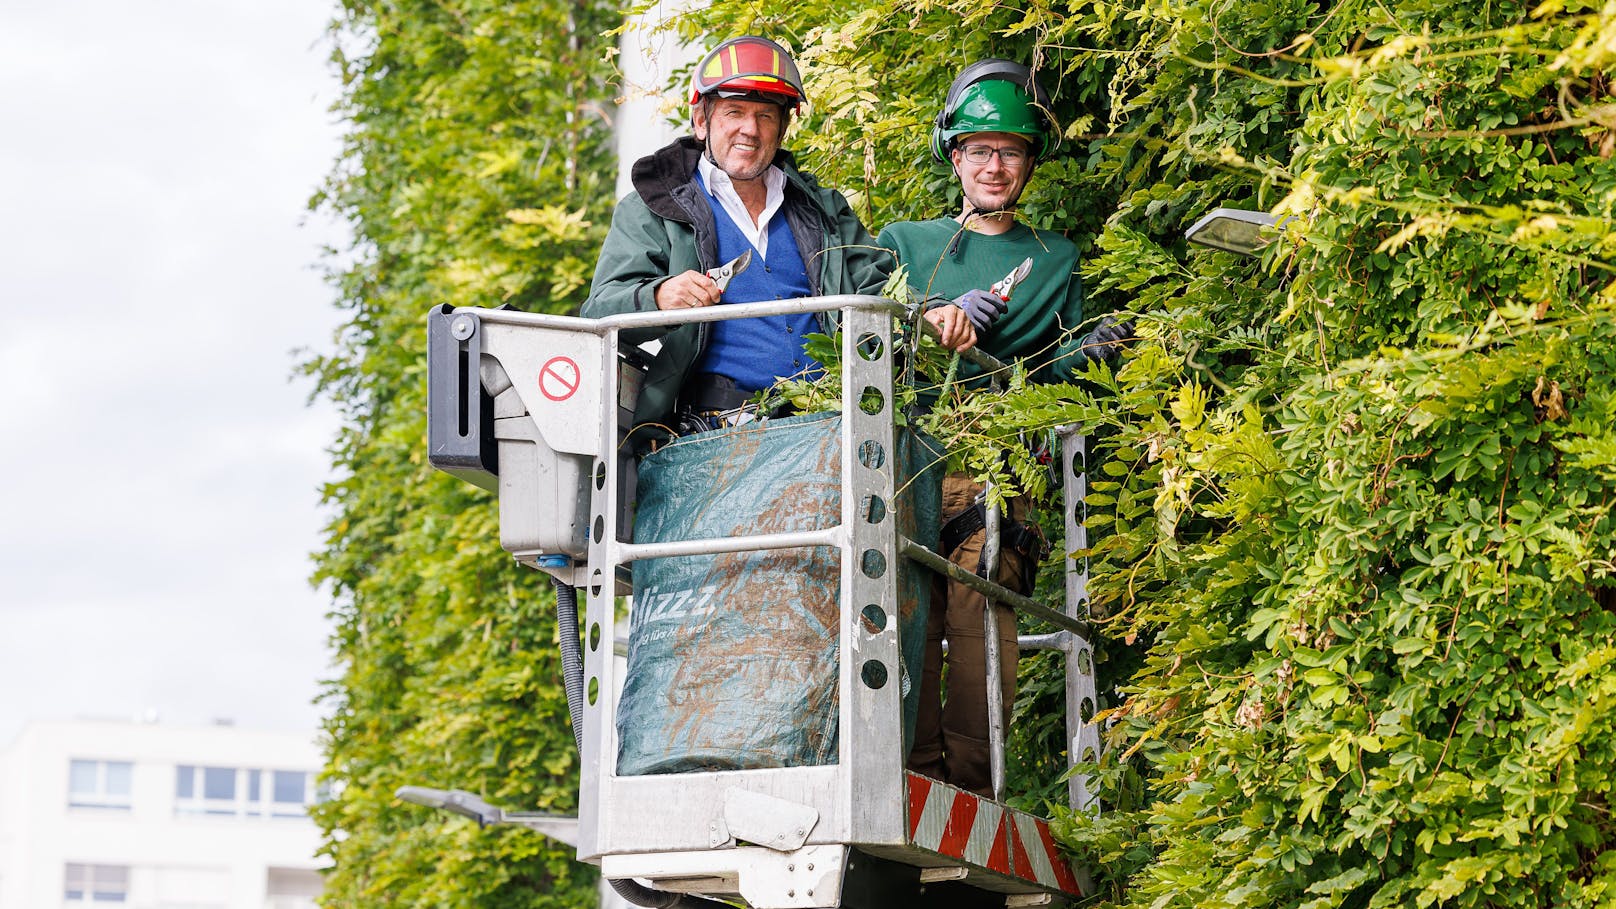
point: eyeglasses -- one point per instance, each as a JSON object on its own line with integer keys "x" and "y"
{"x": 982, "y": 154}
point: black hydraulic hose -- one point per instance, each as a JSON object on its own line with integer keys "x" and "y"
{"x": 572, "y": 658}
{"x": 572, "y": 679}
{"x": 640, "y": 895}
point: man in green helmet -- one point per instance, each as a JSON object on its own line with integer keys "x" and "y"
{"x": 993, "y": 127}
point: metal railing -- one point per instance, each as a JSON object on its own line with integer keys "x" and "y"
{"x": 867, "y": 753}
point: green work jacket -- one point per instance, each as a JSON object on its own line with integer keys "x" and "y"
{"x": 665, "y": 228}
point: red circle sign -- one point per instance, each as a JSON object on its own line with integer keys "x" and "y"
{"x": 558, "y": 378}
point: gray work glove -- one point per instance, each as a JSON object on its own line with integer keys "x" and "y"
{"x": 982, "y": 307}
{"x": 1106, "y": 340}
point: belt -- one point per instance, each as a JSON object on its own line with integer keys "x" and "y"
{"x": 709, "y": 391}
{"x": 711, "y": 401}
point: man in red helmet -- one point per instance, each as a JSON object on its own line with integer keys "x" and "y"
{"x": 708, "y": 198}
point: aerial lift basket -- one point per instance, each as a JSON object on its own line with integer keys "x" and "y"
{"x": 537, "y": 407}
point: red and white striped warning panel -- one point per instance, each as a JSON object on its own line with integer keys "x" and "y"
{"x": 961, "y": 825}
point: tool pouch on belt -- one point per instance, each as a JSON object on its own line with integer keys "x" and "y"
{"x": 1025, "y": 542}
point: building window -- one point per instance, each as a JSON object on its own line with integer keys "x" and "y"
{"x": 242, "y": 792}
{"x": 96, "y": 884}
{"x": 219, "y": 784}
{"x": 291, "y": 793}
{"x": 292, "y": 888}
{"x": 99, "y": 784}
{"x": 206, "y": 790}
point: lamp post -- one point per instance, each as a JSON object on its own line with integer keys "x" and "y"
{"x": 1235, "y": 230}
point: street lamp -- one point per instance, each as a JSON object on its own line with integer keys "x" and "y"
{"x": 1234, "y": 230}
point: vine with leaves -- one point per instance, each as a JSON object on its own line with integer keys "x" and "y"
{"x": 1353, "y": 549}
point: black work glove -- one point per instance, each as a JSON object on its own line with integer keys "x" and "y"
{"x": 1106, "y": 340}
{"x": 984, "y": 307}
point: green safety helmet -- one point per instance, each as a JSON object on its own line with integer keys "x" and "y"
{"x": 995, "y": 96}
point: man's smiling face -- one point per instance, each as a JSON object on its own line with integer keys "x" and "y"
{"x": 742, "y": 136}
{"x": 991, "y": 185}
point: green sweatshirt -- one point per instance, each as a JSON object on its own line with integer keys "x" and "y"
{"x": 1045, "y": 310}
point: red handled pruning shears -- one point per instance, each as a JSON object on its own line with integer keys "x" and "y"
{"x": 1006, "y": 285}
{"x": 723, "y": 273}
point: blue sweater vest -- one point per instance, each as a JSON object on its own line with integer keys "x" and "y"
{"x": 756, "y": 352}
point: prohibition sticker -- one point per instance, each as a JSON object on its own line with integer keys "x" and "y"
{"x": 558, "y": 378}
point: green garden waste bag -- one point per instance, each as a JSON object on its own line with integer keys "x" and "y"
{"x": 733, "y": 659}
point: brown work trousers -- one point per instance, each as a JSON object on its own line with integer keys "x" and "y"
{"x": 951, "y": 732}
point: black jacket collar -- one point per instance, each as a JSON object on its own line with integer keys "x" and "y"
{"x": 657, "y": 176}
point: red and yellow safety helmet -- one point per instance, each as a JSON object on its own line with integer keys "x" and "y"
{"x": 748, "y": 66}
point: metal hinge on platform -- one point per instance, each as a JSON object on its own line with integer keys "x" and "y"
{"x": 762, "y": 820}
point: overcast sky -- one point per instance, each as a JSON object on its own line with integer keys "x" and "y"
{"x": 160, "y": 469}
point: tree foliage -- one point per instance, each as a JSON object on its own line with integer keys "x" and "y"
{"x": 476, "y": 171}
{"x": 1354, "y": 567}
{"x": 1353, "y": 561}
{"x": 1360, "y": 522}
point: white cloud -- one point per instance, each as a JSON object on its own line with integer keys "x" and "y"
{"x": 159, "y": 474}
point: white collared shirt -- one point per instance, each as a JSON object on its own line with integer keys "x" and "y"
{"x": 720, "y": 187}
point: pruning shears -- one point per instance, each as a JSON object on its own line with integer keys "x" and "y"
{"x": 723, "y": 273}
{"x": 1007, "y": 285}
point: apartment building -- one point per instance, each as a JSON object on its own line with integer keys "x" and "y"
{"x": 152, "y": 816}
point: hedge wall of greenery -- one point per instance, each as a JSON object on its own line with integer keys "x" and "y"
{"x": 1354, "y": 569}
{"x": 476, "y": 168}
